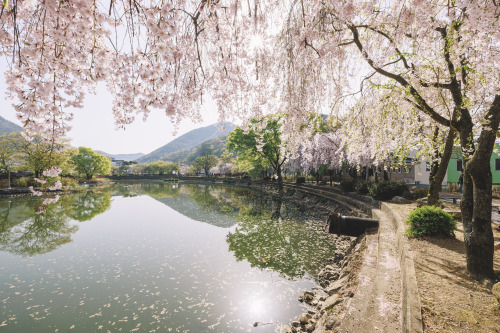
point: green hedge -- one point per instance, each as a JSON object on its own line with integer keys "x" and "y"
{"x": 363, "y": 186}
{"x": 387, "y": 190}
{"x": 430, "y": 221}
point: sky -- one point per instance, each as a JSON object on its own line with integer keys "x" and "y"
{"x": 93, "y": 125}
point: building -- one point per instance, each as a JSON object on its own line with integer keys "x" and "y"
{"x": 423, "y": 171}
{"x": 455, "y": 166}
{"x": 117, "y": 163}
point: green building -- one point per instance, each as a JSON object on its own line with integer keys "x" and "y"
{"x": 455, "y": 166}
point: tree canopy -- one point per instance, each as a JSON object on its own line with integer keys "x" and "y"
{"x": 260, "y": 144}
{"x": 89, "y": 163}
{"x": 206, "y": 163}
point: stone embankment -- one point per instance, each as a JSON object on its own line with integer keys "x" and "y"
{"x": 338, "y": 281}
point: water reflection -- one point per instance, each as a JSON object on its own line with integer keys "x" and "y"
{"x": 274, "y": 234}
{"x": 148, "y": 264}
{"x": 88, "y": 205}
{"x": 270, "y": 232}
{"x": 25, "y": 233}
{"x": 215, "y": 205}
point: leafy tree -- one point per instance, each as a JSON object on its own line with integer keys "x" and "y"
{"x": 206, "y": 163}
{"x": 89, "y": 163}
{"x": 9, "y": 157}
{"x": 261, "y": 144}
{"x": 161, "y": 167}
{"x": 40, "y": 153}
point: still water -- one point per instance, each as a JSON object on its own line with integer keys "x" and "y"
{"x": 151, "y": 257}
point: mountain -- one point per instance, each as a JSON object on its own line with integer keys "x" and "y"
{"x": 7, "y": 127}
{"x": 215, "y": 147}
{"x": 125, "y": 157}
{"x": 184, "y": 144}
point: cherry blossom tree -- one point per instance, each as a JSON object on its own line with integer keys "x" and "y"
{"x": 440, "y": 61}
{"x": 166, "y": 55}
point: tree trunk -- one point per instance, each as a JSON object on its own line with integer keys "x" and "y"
{"x": 476, "y": 197}
{"x": 438, "y": 170}
{"x": 353, "y": 172}
{"x": 278, "y": 172}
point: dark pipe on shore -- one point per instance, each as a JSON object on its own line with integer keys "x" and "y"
{"x": 349, "y": 225}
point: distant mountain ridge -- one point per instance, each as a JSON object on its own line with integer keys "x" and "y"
{"x": 7, "y": 126}
{"x": 124, "y": 157}
{"x": 187, "y": 142}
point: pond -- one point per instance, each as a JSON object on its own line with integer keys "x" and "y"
{"x": 152, "y": 257}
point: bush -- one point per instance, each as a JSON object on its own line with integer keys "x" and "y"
{"x": 430, "y": 221}
{"x": 300, "y": 180}
{"x": 419, "y": 192}
{"x": 70, "y": 182}
{"x": 24, "y": 182}
{"x": 347, "y": 185}
{"x": 362, "y": 186}
{"x": 387, "y": 190}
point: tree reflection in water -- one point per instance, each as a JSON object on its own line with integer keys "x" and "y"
{"x": 25, "y": 233}
{"x": 272, "y": 234}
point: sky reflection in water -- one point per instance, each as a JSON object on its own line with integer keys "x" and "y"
{"x": 155, "y": 257}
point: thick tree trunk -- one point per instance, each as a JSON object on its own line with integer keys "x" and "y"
{"x": 476, "y": 197}
{"x": 438, "y": 170}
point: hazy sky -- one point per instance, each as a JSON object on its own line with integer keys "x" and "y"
{"x": 93, "y": 126}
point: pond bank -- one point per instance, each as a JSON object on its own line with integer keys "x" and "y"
{"x": 338, "y": 279}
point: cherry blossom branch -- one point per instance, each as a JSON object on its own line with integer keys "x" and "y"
{"x": 401, "y": 80}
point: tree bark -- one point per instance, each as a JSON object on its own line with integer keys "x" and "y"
{"x": 438, "y": 170}
{"x": 278, "y": 172}
{"x": 476, "y": 197}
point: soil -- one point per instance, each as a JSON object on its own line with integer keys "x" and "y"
{"x": 451, "y": 300}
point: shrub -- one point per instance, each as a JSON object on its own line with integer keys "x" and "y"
{"x": 67, "y": 181}
{"x": 347, "y": 185}
{"x": 362, "y": 186}
{"x": 430, "y": 221}
{"x": 387, "y": 190}
{"x": 300, "y": 180}
{"x": 24, "y": 182}
{"x": 419, "y": 192}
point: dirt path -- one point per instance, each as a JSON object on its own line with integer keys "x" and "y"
{"x": 451, "y": 300}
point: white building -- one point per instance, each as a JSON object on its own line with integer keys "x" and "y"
{"x": 423, "y": 170}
